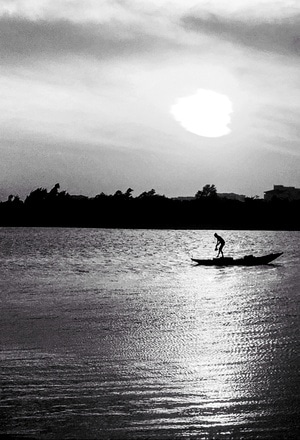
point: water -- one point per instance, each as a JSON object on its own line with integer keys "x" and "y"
{"x": 115, "y": 334}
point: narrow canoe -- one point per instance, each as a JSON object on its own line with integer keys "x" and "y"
{"x": 248, "y": 260}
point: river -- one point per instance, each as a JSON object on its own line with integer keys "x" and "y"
{"x": 116, "y": 334}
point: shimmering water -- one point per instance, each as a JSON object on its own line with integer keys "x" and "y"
{"x": 115, "y": 334}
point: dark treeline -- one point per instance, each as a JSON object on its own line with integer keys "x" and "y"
{"x": 148, "y": 210}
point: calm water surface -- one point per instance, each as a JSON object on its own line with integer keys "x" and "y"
{"x": 115, "y": 334}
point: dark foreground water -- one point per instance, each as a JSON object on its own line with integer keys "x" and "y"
{"x": 115, "y": 334}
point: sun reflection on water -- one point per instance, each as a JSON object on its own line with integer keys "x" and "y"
{"x": 148, "y": 346}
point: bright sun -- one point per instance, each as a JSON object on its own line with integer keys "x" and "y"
{"x": 206, "y": 113}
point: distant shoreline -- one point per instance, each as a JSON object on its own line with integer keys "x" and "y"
{"x": 148, "y": 211}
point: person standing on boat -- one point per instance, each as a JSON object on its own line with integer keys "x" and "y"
{"x": 220, "y": 243}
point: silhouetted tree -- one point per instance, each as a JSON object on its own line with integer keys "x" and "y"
{"x": 55, "y": 208}
{"x": 207, "y": 191}
{"x": 146, "y": 194}
{"x": 128, "y": 193}
{"x": 150, "y": 195}
{"x": 62, "y": 195}
{"x": 37, "y": 196}
{"x": 14, "y": 200}
{"x": 123, "y": 196}
{"x": 101, "y": 196}
{"x": 17, "y": 199}
{"x": 54, "y": 191}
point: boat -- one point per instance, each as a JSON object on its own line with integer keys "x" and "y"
{"x": 248, "y": 260}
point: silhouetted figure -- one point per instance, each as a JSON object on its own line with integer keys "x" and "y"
{"x": 220, "y": 243}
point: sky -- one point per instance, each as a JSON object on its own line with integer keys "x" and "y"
{"x": 101, "y": 96}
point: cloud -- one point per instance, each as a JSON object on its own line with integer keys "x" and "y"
{"x": 86, "y": 89}
{"x": 73, "y": 10}
{"x": 21, "y": 38}
{"x": 277, "y": 36}
{"x": 43, "y": 30}
{"x": 77, "y": 10}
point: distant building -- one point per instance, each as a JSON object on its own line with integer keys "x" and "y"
{"x": 282, "y": 192}
{"x": 232, "y": 196}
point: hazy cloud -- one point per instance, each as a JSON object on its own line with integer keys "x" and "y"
{"x": 23, "y": 38}
{"x": 280, "y": 36}
{"x": 129, "y": 10}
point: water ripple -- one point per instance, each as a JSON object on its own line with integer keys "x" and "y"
{"x": 115, "y": 334}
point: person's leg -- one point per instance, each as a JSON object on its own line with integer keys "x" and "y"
{"x": 221, "y": 250}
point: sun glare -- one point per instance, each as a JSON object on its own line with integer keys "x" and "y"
{"x": 206, "y": 113}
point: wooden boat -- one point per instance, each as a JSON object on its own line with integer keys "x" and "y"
{"x": 248, "y": 260}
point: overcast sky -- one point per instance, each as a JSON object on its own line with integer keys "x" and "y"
{"x": 87, "y": 89}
